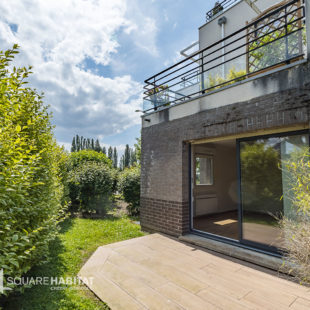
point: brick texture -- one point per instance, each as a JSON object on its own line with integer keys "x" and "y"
{"x": 170, "y": 217}
{"x": 164, "y": 158}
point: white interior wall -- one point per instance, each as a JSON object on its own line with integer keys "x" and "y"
{"x": 222, "y": 195}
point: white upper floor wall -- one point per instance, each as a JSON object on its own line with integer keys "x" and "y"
{"x": 237, "y": 16}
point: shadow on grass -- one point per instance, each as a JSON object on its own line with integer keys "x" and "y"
{"x": 42, "y": 297}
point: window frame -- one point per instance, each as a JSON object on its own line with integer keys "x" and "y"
{"x": 207, "y": 156}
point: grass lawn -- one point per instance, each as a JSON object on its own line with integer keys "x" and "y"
{"x": 79, "y": 238}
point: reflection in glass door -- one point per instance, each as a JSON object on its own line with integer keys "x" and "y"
{"x": 263, "y": 182}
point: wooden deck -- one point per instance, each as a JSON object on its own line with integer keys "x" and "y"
{"x": 160, "y": 272}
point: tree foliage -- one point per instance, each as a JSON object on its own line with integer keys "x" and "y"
{"x": 129, "y": 186}
{"x": 81, "y": 157}
{"x": 261, "y": 178}
{"x": 110, "y": 153}
{"x": 91, "y": 185}
{"x": 91, "y": 181}
{"x": 31, "y": 173}
{"x": 296, "y": 229}
{"x": 127, "y": 156}
{"x": 115, "y": 158}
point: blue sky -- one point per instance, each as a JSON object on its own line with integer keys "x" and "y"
{"x": 90, "y": 57}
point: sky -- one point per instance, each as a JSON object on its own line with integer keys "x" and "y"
{"x": 90, "y": 57}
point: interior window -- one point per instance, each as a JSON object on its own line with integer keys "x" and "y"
{"x": 204, "y": 170}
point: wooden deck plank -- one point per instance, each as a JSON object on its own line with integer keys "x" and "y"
{"x": 185, "y": 298}
{"x": 158, "y": 272}
{"x": 301, "y": 304}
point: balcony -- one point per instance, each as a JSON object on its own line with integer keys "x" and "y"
{"x": 219, "y": 8}
{"x": 273, "y": 40}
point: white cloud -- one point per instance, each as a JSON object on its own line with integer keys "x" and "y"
{"x": 57, "y": 37}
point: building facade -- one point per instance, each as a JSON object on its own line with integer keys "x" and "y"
{"x": 218, "y": 126}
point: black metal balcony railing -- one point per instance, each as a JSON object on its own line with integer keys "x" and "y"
{"x": 277, "y": 38}
{"x": 219, "y": 7}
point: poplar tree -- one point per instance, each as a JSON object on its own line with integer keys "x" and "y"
{"x": 138, "y": 149}
{"x": 127, "y": 156}
{"x": 92, "y": 146}
{"x": 81, "y": 143}
{"x": 115, "y": 157}
{"x": 77, "y": 142}
{"x": 110, "y": 153}
{"x": 97, "y": 146}
{"x": 122, "y": 163}
{"x": 133, "y": 158}
{"x": 73, "y": 146}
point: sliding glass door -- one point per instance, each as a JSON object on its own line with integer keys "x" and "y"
{"x": 264, "y": 184}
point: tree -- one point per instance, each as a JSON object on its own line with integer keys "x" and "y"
{"x": 133, "y": 158}
{"x": 115, "y": 158}
{"x": 104, "y": 150}
{"x": 88, "y": 144}
{"x": 110, "y": 153}
{"x": 127, "y": 156}
{"x": 92, "y": 146}
{"x": 78, "y": 143}
{"x": 261, "y": 178}
{"x": 138, "y": 149}
{"x": 122, "y": 163}
{"x": 129, "y": 186}
{"x": 296, "y": 224}
{"x": 73, "y": 146}
{"x": 81, "y": 143}
{"x": 97, "y": 146}
{"x": 31, "y": 173}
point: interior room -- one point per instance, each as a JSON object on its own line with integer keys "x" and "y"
{"x": 215, "y": 196}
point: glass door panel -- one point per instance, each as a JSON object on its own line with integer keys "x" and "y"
{"x": 263, "y": 182}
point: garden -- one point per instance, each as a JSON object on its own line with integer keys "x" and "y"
{"x": 56, "y": 207}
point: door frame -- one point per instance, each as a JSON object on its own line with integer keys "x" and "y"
{"x": 262, "y": 246}
{"x": 258, "y": 247}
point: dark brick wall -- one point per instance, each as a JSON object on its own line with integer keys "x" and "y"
{"x": 170, "y": 217}
{"x": 164, "y": 158}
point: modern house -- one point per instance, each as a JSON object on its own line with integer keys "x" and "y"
{"x": 218, "y": 124}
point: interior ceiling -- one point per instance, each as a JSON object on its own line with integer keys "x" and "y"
{"x": 231, "y": 143}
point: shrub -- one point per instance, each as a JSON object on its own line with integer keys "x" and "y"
{"x": 129, "y": 186}
{"x": 84, "y": 156}
{"x": 296, "y": 226}
{"x": 91, "y": 186}
{"x": 215, "y": 82}
{"x": 31, "y": 189}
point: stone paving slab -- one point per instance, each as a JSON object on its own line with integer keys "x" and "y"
{"x": 160, "y": 272}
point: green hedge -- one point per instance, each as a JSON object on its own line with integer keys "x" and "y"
{"x": 129, "y": 186}
{"x": 31, "y": 189}
{"x": 90, "y": 186}
{"x": 85, "y": 156}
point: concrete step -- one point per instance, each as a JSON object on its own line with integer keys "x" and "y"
{"x": 258, "y": 258}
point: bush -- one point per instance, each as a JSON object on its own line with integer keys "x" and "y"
{"x": 297, "y": 245}
{"x": 85, "y": 156}
{"x": 90, "y": 186}
{"x": 129, "y": 186}
{"x": 215, "y": 82}
{"x": 31, "y": 189}
{"x": 296, "y": 226}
